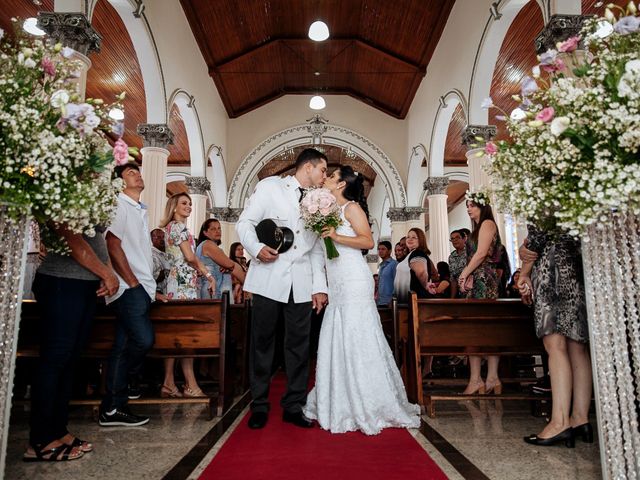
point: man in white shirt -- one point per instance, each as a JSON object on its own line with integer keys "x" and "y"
{"x": 288, "y": 284}
{"x": 129, "y": 248}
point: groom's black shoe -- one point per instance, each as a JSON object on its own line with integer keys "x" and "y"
{"x": 258, "y": 420}
{"x": 297, "y": 418}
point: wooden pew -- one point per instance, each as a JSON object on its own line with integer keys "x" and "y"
{"x": 464, "y": 327}
{"x": 183, "y": 328}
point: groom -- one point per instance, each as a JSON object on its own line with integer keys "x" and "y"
{"x": 288, "y": 284}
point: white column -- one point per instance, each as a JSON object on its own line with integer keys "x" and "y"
{"x": 198, "y": 189}
{"x": 228, "y": 218}
{"x": 157, "y": 137}
{"x": 436, "y": 188}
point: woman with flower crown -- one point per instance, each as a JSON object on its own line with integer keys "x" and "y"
{"x": 479, "y": 279}
{"x": 358, "y": 386}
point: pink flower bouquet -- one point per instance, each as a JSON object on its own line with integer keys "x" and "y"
{"x": 319, "y": 210}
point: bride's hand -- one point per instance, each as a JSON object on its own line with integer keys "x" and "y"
{"x": 328, "y": 232}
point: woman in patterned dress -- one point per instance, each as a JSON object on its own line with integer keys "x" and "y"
{"x": 479, "y": 279}
{"x": 182, "y": 282}
{"x": 556, "y": 289}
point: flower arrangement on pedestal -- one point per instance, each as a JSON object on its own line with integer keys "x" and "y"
{"x": 55, "y": 161}
{"x": 574, "y": 153}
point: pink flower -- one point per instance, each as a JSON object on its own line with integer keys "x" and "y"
{"x": 121, "y": 152}
{"x": 556, "y": 66}
{"x": 569, "y": 45}
{"x": 546, "y": 114}
{"x": 313, "y": 208}
{"x": 325, "y": 211}
{"x": 48, "y": 66}
{"x": 490, "y": 148}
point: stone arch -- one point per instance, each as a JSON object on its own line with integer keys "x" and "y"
{"x": 186, "y": 104}
{"x": 144, "y": 44}
{"x": 448, "y": 103}
{"x": 417, "y": 173}
{"x": 498, "y": 22}
{"x": 219, "y": 178}
{"x": 317, "y": 132}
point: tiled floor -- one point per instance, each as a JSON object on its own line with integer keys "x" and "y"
{"x": 486, "y": 434}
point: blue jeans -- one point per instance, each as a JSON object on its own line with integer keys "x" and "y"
{"x": 66, "y": 309}
{"x": 134, "y": 338}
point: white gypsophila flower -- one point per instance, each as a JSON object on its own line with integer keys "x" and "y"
{"x": 559, "y": 125}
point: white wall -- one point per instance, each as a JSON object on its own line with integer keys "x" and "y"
{"x": 249, "y": 130}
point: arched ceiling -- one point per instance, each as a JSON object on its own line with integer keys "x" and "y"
{"x": 283, "y": 163}
{"x": 454, "y": 150}
{"x": 178, "y": 152}
{"x": 258, "y": 50}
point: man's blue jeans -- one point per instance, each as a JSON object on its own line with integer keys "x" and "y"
{"x": 134, "y": 338}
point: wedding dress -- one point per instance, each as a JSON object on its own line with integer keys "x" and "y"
{"x": 358, "y": 386}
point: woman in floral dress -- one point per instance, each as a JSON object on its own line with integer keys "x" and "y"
{"x": 182, "y": 282}
{"x": 479, "y": 279}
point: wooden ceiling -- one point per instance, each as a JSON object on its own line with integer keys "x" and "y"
{"x": 283, "y": 163}
{"x": 454, "y": 150}
{"x": 114, "y": 70}
{"x": 258, "y": 50}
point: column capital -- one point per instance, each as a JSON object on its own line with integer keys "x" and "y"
{"x": 198, "y": 185}
{"x": 436, "y": 185}
{"x": 559, "y": 28}
{"x": 470, "y": 132}
{"x": 155, "y": 134}
{"x": 373, "y": 258}
{"x": 72, "y": 30}
{"x": 404, "y": 214}
{"x": 226, "y": 214}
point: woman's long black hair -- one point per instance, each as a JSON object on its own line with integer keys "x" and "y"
{"x": 354, "y": 188}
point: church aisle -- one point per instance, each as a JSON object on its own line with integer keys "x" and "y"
{"x": 282, "y": 451}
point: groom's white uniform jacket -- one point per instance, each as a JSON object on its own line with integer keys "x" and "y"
{"x": 302, "y": 266}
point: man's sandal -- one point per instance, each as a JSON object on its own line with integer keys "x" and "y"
{"x": 61, "y": 453}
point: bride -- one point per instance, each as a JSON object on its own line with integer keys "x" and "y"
{"x": 358, "y": 386}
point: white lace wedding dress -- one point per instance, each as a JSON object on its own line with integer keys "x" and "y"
{"x": 358, "y": 386}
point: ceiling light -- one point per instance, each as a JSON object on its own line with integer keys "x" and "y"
{"x": 317, "y": 103}
{"x": 30, "y": 25}
{"x": 116, "y": 113}
{"x": 318, "y": 31}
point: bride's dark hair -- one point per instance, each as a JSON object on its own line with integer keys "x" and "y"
{"x": 354, "y": 188}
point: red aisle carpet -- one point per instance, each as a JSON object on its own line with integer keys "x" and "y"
{"x": 282, "y": 451}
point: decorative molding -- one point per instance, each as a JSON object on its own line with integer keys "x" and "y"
{"x": 226, "y": 214}
{"x": 493, "y": 11}
{"x": 559, "y": 28}
{"x": 436, "y": 185}
{"x": 198, "y": 185}
{"x": 373, "y": 258}
{"x": 405, "y": 214}
{"x": 72, "y": 30}
{"x": 317, "y": 127}
{"x": 139, "y": 10}
{"x": 241, "y": 184}
{"x": 155, "y": 134}
{"x": 470, "y": 132}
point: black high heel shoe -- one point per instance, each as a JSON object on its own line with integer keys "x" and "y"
{"x": 584, "y": 431}
{"x": 565, "y": 436}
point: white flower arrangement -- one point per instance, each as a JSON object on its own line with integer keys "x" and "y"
{"x": 574, "y": 153}
{"x": 55, "y": 161}
{"x": 479, "y": 198}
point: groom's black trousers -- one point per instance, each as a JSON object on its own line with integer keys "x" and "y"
{"x": 297, "y": 327}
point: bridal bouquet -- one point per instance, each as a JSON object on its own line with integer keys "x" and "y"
{"x": 56, "y": 163}
{"x": 320, "y": 210}
{"x": 574, "y": 153}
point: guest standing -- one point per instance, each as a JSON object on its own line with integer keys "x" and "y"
{"x": 457, "y": 260}
{"x": 236, "y": 253}
{"x": 182, "y": 283}
{"x": 560, "y": 313}
{"x": 386, "y": 274}
{"x": 161, "y": 265}
{"x": 129, "y": 248}
{"x": 65, "y": 288}
{"x": 219, "y": 265}
{"x": 479, "y": 279}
